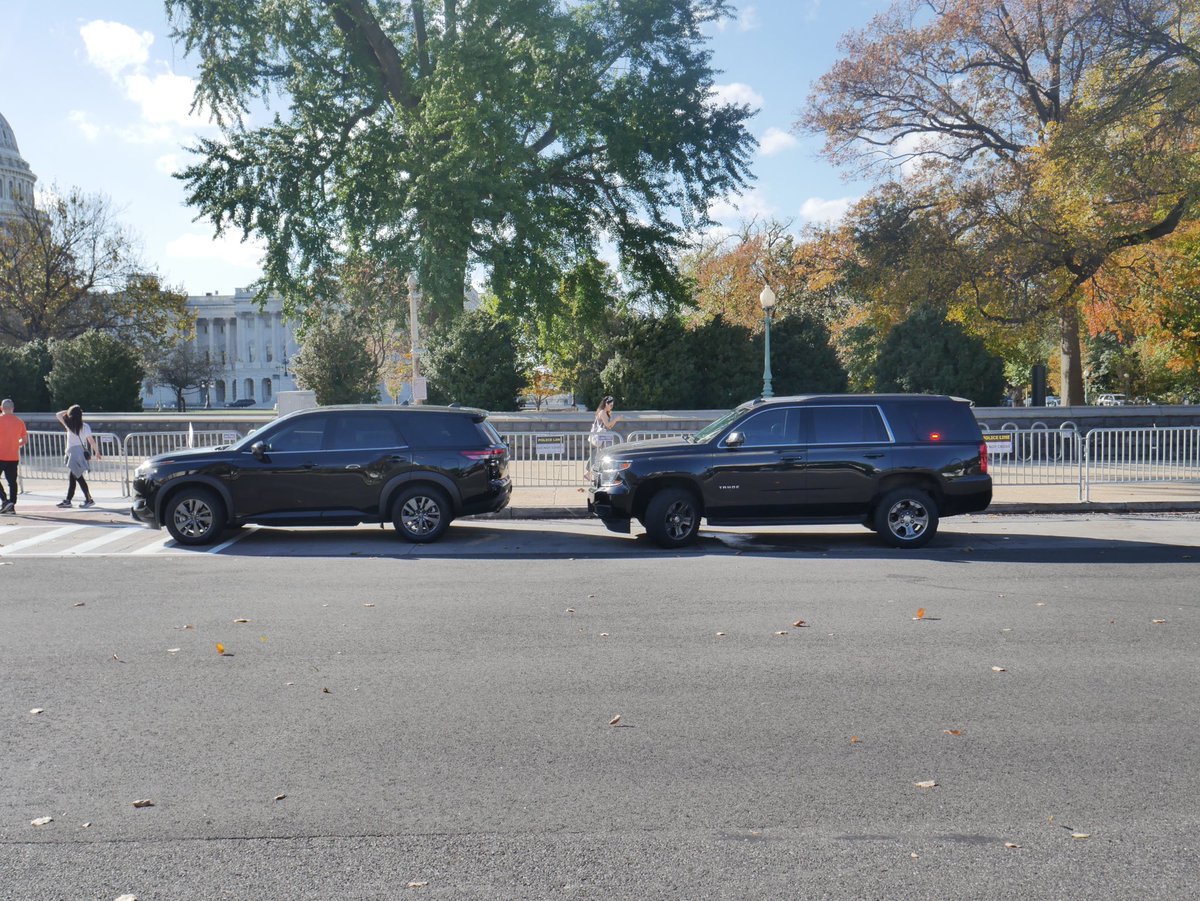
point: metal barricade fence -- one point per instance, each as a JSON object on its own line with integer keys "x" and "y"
{"x": 44, "y": 457}
{"x": 650, "y": 436}
{"x": 141, "y": 446}
{"x": 1129, "y": 456}
{"x": 549, "y": 459}
{"x": 1036, "y": 456}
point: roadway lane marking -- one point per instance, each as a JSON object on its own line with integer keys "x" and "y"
{"x": 156, "y": 546}
{"x": 4, "y": 530}
{"x": 38, "y": 539}
{"x": 109, "y": 535}
{"x": 236, "y": 538}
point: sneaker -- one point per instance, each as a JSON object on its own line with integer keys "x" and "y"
{"x": 9, "y": 507}
{"x": 88, "y": 503}
{"x": 63, "y": 504}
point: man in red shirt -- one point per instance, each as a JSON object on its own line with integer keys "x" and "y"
{"x": 13, "y": 436}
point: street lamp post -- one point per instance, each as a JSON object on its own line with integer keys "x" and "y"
{"x": 766, "y": 300}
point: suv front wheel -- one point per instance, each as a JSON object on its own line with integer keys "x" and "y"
{"x": 672, "y": 518}
{"x": 906, "y": 518}
{"x": 421, "y": 513}
{"x": 195, "y": 516}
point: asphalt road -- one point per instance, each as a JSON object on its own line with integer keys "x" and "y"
{"x": 439, "y": 717}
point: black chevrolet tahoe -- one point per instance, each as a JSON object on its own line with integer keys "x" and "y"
{"x": 893, "y": 462}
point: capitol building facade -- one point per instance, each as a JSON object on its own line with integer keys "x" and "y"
{"x": 16, "y": 178}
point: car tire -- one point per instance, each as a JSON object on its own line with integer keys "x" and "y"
{"x": 906, "y": 518}
{"x": 421, "y": 514}
{"x": 195, "y": 516}
{"x": 672, "y": 518}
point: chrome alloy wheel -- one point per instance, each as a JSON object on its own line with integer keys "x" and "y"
{"x": 679, "y": 520}
{"x": 421, "y": 515}
{"x": 193, "y": 518}
{"x": 908, "y": 519}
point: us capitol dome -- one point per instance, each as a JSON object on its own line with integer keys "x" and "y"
{"x": 16, "y": 178}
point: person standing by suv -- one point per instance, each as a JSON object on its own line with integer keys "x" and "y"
{"x": 13, "y": 437}
{"x": 81, "y": 447}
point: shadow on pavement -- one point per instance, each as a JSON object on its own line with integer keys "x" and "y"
{"x": 496, "y": 542}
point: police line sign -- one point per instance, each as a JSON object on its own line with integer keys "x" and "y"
{"x": 999, "y": 442}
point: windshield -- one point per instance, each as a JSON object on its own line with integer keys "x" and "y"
{"x": 713, "y": 429}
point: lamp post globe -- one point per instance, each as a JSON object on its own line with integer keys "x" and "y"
{"x": 766, "y": 299}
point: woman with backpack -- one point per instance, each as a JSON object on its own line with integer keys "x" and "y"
{"x": 81, "y": 448}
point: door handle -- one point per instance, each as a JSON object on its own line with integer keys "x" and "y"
{"x": 353, "y": 466}
{"x": 872, "y": 456}
{"x": 307, "y": 465}
{"x": 793, "y": 459}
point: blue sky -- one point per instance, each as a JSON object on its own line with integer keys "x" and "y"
{"x": 98, "y": 98}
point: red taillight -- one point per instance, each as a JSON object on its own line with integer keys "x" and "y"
{"x": 485, "y": 454}
{"x": 935, "y": 436}
{"x": 983, "y": 458}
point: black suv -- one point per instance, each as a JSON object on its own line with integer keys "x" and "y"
{"x": 894, "y": 462}
{"x": 418, "y": 467}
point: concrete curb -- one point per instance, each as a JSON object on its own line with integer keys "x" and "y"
{"x": 1008, "y": 509}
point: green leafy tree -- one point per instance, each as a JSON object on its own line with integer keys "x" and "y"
{"x": 730, "y": 359}
{"x": 928, "y": 354}
{"x": 437, "y": 134}
{"x": 23, "y": 372}
{"x": 652, "y": 366}
{"x": 474, "y": 362}
{"x": 98, "y": 371}
{"x": 803, "y": 359}
{"x": 335, "y": 363}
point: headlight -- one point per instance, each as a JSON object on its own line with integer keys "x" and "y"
{"x": 609, "y": 469}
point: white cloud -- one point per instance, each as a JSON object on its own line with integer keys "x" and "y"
{"x": 737, "y": 93}
{"x": 748, "y": 19}
{"x": 167, "y": 163}
{"x": 89, "y": 129}
{"x": 115, "y": 47}
{"x": 775, "y": 140}
{"x": 228, "y": 249}
{"x": 164, "y": 98}
{"x": 751, "y": 205}
{"x": 826, "y": 212}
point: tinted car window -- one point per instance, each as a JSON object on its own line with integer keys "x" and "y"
{"x": 441, "y": 430}
{"x": 951, "y": 421}
{"x": 779, "y": 425}
{"x": 304, "y": 434}
{"x": 363, "y": 430}
{"x": 845, "y": 425}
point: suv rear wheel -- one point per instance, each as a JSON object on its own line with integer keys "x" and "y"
{"x": 421, "y": 513}
{"x": 906, "y": 518}
{"x": 195, "y": 516}
{"x": 672, "y": 518}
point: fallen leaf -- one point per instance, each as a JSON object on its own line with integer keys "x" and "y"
{"x": 262, "y": 638}
{"x": 952, "y": 731}
{"x": 172, "y": 650}
{"x": 604, "y": 635}
{"x": 1080, "y": 835}
{"x": 854, "y": 739}
{"x": 417, "y": 885}
{"x": 289, "y": 683}
{"x": 1158, "y": 622}
{"x": 241, "y": 619}
{"x": 799, "y": 624}
{"x": 616, "y": 719}
{"x": 928, "y": 783}
{"x": 1040, "y": 604}
{"x": 144, "y": 802}
{"x": 326, "y": 691}
{"x": 41, "y": 821}
{"x": 220, "y": 648}
{"x": 999, "y": 669}
{"x": 914, "y": 855}
{"x": 280, "y": 797}
{"x": 85, "y": 825}
{"x": 720, "y": 635}
{"x": 127, "y": 898}
{"x": 1011, "y": 845}
{"x": 118, "y": 659}
{"x": 36, "y": 710}
{"x": 80, "y": 604}
{"x": 782, "y": 632}
{"x": 570, "y": 610}
{"x": 368, "y": 605}
{"x": 920, "y": 613}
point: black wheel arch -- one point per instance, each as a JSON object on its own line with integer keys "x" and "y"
{"x": 921, "y": 481}
{"x": 651, "y": 487}
{"x": 164, "y": 497}
{"x": 393, "y": 488}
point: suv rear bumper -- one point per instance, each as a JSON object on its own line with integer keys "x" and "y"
{"x": 968, "y": 494}
{"x": 493, "y": 502}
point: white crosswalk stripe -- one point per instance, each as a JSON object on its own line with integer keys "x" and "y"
{"x": 10, "y": 549}
{"x": 110, "y": 536}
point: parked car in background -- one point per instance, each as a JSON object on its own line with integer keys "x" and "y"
{"x": 893, "y": 462}
{"x": 1111, "y": 400}
{"x": 416, "y": 467}
{"x": 241, "y": 402}
{"x": 1053, "y": 400}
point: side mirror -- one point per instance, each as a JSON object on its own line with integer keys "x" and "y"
{"x": 259, "y": 449}
{"x": 735, "y": 439}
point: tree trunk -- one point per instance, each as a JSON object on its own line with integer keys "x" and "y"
{"x": 1070, "y": 348}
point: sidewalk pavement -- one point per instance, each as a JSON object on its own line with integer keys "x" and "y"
{"x": 41, "y": 496}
